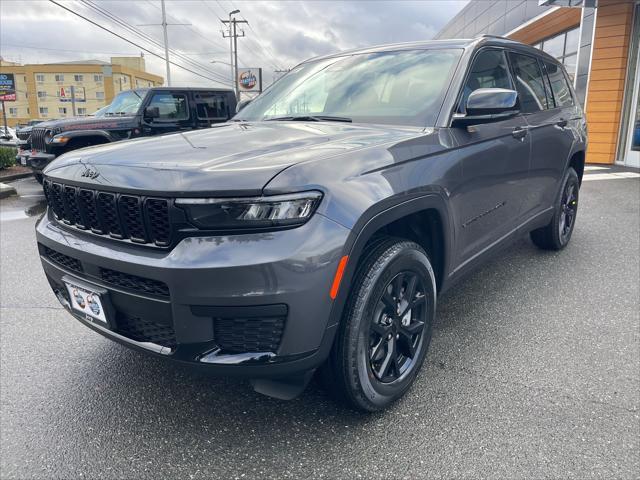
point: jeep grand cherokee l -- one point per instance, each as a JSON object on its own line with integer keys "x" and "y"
{"x": 316, "y": 229}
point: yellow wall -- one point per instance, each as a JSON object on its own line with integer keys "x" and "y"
{"x": 99, "y": 89}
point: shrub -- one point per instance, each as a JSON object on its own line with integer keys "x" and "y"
{"x": 7, "y": 157}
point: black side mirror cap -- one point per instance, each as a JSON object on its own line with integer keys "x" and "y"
{"x": 151, "y": 112}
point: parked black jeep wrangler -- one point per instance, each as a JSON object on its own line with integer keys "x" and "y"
{"x": 133, "y": 113}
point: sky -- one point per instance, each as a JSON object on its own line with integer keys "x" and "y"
{"x": 280, "y": 34}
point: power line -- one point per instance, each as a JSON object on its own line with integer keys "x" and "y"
{"x": 105, "y": 13}
{"x": 130, "y": 41}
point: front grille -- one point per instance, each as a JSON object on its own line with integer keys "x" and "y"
{"x": 127, "y": 217}
{"x": 133, "y": 282}
{"x": 63, "y": 260}
{"x": 142, "y": 330}
{"x": 239, "y": 335}
{"x": 37, "y": 139}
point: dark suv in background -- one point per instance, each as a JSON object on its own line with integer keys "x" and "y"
{"x": 317, "y": 228}
{"x": 133, "y": 113}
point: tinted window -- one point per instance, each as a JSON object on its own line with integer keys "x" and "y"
{"x": 171, "y": 106}
{"x": 489, "y": 70}
{"x": 401, "y": 87}
{"x": 559, "y": 85}
{"x": 211, "y": 105}
{"x": 529, "y": 83}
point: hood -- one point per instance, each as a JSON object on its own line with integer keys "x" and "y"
{"x": 227, "y": 159}
{"x": 86, "y": 123}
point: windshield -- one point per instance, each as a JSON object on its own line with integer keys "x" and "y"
{"x": 125, "y": 103}
{"x": 401, "y": 87}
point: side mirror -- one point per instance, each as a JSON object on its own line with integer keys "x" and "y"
{"x": 151, "y": 112}
{"x": 486, "y": 105}
{"x": 243, "y": 103}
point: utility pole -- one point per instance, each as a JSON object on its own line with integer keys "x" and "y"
{"x": 165, "y": 33}
{"x": 233, "y": 35}
{"x": 4, "y": 118}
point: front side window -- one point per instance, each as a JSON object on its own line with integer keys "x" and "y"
{"x": 529, "y": 83}
{"x": 170, "y": 105}
{"x": 489, "y": 70}
{"x": 211, "y": 106}
{"x": 559, "y": 85}
{"x": 401, "y": 87}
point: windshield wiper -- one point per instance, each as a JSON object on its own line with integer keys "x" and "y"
{"x": 311, "y": 118}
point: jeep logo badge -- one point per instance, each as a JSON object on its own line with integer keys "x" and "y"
{"x": 90, "y": 174}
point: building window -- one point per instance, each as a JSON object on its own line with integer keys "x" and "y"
{"x": 564, "y": 47}
{"x": 42, "y": 94}
{"x": 78, "y": 78}
{"x": 13, "y": 111}
{"x": 97, "y": 78}
{"x": 59, "y": 77}
{"x": 62, "y": 110}
{"x": 82, "y": 111}
{"x": 99, "y": 95}
{"x": 40, "y": 77}
{"x": 44, "y": 111}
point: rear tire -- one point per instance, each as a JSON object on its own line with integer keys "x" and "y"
{"x": 386, "y": 326}
{"x": 556, "y": 235}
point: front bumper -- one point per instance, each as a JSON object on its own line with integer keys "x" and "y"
{"x": 210, "y": 297}
{"x": 36, "y": 161}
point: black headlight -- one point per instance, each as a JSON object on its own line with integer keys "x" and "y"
{"x": 251, "y": 212}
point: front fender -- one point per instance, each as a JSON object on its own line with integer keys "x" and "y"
{"x": 88, "y": 133}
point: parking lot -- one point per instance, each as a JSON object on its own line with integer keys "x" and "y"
{"x": 534, "y": 371}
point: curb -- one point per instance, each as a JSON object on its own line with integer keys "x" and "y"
{"x": 6, "y": 190}
{"x": 16, "y": 176}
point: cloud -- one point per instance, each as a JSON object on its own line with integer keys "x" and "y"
{"x": 281, "y": 34}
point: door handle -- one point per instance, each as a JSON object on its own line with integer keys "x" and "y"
{"x": 562, "y": 123}
{"x": 519, "y": 133}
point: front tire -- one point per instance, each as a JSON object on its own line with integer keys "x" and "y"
{"x": 556, "y": 235}
{"x": 386, "y": 327}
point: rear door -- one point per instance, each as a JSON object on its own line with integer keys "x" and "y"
{"x": 548, "y": 117}
{"x": 495, "y": 162}
{"x": 175, "y": 114}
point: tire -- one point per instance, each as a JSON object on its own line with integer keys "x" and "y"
{"x": 556, "y": 235}
{"x": 39, "y": 178}
{"x": 378, "y": 353}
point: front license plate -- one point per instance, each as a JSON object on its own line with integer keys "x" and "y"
{"x": 23, "y": 161}
{"x": 86, "y": 302}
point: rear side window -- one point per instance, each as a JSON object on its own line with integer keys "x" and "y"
{"x": 210, "y": 106}
{"x": 172, "y": 106}
{"x": 529, "y": 83}
{"x": 489, "y": 70}
{"x": 559, "y": 85}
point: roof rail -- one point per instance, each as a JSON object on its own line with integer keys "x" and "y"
{"x": 486, "y": 35}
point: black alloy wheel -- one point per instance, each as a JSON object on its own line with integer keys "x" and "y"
{"x": 569, "y": 208}
{"x": 385, "y": 331}
{"x": 397, "y": 327}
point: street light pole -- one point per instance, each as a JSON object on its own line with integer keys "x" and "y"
{"x": 233, "y": 46}
{"x": 233, "y": 70}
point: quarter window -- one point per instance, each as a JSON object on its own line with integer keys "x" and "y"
{"x": 489, "y": 70}
{"x": 171, "y": 106}
{"x": 529, "y": 83}
{"x": 211, "y": 106}
{"x": 559, "y": 85}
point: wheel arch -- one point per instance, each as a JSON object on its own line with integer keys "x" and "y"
{"x": 400, "y": 220}
{"x": 577, "y": 161}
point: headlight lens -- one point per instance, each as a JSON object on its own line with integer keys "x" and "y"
{"x": 252, "y": 212}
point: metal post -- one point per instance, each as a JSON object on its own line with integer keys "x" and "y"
{"x": 166, "y": 43}
{"x": 233, "y": 70}
{"x": 4, "y": 117}
{"x": 235, "y": 59}
{"x": 73, "y": 100}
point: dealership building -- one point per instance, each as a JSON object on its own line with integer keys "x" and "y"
{"x": 596, "y": 40}
{"x": 54, "y": 90}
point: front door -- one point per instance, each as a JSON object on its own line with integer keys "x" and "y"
{"x": 174, "y": 113}
{"x": 487, "y": 204}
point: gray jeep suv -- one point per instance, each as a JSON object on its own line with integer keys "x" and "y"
{"x": 316, "y": 229}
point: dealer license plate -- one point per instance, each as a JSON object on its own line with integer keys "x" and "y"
{"x": 86, "y": 302}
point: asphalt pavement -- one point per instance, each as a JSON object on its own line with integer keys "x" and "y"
{"x": 533, "y": 371}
